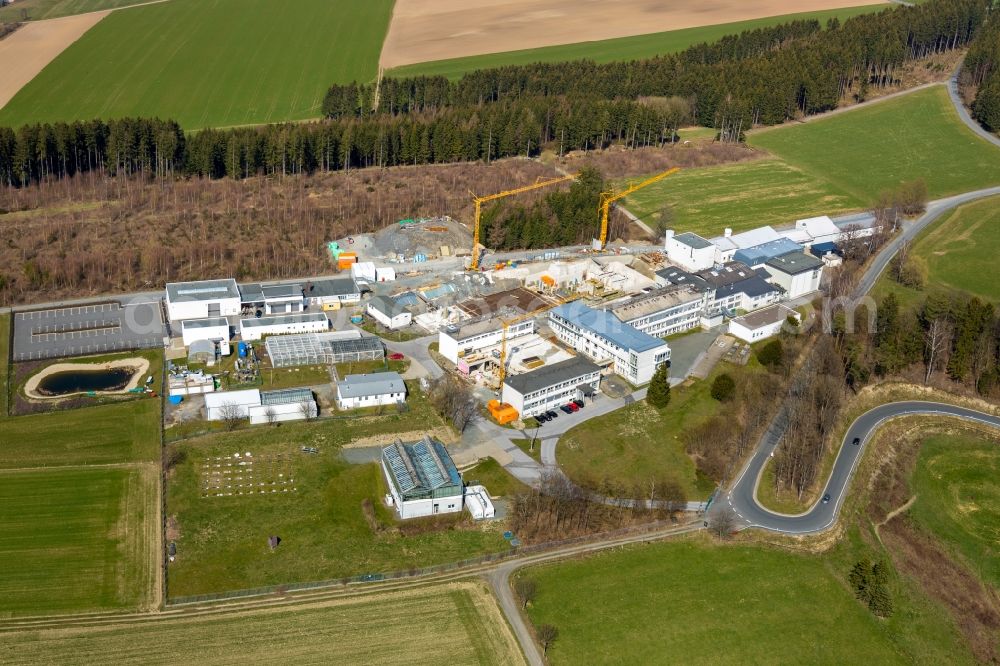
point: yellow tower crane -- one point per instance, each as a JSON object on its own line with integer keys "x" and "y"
{"x": 479, "y": 201}
{"x": 608, "y": 198}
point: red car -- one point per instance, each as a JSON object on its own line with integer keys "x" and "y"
{"x": 395, "y": 357}
{"x": 573, "y": 407}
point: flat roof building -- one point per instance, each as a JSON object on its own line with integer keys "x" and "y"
{"x": 214, "y": 329}
{"x": 550, "y": 386}
{"x": 342, "y": 291}
{"x": 761, "y": 324}
{"x": 797, "y": 273}
{"x": 663, "y": 312}
{"x": 261, "y": 406}
{"x": 202, "y": 300}
{"x": 422, "y": 478}
{"x": 311, "y": 322}
{"x": 468, "y": 338}
{"x": 689, "y": 250}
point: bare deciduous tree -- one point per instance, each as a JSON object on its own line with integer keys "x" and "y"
{"x": 547, "y": 634}
{"x": 307, "y": 408}
{"x": 232, "y": 415}
{"x": 525, "y": 589}
{"x": 937, "y": 339}
{"x": 722, "y": 521}
{"x": 271, "y": 415}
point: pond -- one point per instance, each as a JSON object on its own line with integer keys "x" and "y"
{"x": 82, "y": 381}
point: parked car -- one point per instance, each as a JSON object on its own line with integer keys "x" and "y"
{"x": 566, "y": 409}
{"x": 573, "y": 407}
{"x": 826, "y": 498}
{"x": 552, "y": 414}
{"x": 857, "y": 440}
{"x": 396, "y": 357}
{"x": 579, "y": 403}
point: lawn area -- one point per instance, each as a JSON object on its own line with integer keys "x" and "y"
{"x": 494, "y": 477}
{"x": 4, "y": 363}
{"x": 525, "y": 445}
{"x": 620, "y": 49}
{"x": 876, "y": 147}
{"x": 637, "y": 444}
{"x": 740, "y": 196}
{"x": 386, "y": 628}
{"x": 958, "y": 499}
{"x": 403, "y": 335}
{"x": 700, "y": 602}
{"x": 77, "y": 539}
{"x": 117, "y": 433}
{"x": 222, "y": 541}
{"x": 208, "y": 63}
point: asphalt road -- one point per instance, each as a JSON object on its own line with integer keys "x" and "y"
{"x": 743, "y": 497}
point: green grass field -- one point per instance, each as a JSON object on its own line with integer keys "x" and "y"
{"x": 878, "y": 147}
{"x": 222, "y": 541}
{"x": 48, "y": 9}
{"x": 208, "y": 63}
{"x": 125, "y": 432}
{"x": 455, "y": 624}
{"x": 4, "y": 363}
{"x": 739, "y": 196}
{"x": 958, "y": 499}
{"x": 960, "y": 252}
{"x": 829, "y": 166}
{"x": 697, "y": 602}
{"x": 76, "y": 539}
{"x": 494, "y": 477}
{"x": 623, "y": 48}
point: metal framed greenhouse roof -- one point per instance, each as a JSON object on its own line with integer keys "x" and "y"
{"x": 317, "y": 348}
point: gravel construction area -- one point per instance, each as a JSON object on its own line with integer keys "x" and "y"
{"x": 425, "y": 30}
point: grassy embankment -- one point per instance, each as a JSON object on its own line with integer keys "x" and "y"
{"x": 371, "y": 630}
{"x": 39, "y": 10}
{"x": 830, "y": 165}
{"x": 619, "y": 49}
{"x": 208, "y": 64}
{"x": 326, "y": 530}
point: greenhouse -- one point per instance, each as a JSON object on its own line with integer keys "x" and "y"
{"x": 316, "y": 348}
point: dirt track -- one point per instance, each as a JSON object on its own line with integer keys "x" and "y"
{"x": 423, "y": 30}
{"x": 26, "y": 52}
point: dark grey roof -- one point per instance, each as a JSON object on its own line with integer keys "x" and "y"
{"x": 536, "y": 380}
{"x": 734, "y": 271}
{"x": 282, "y": 291}
{"x": 283, "y": 319}
{"x": 692, "y": 240}
{"x": 205, "y": 290}
{"x": 376, "y": 383}
{"x": 752, "y": 287}
{"x": 290, "y": 396}
{"x": 675, "y": 275}
{"x": 795, "y": 263}
{"x": 332, "y": 287}
{"x": 251, "y": 292}
{"x": 390, "y": 307}
{"x": 213, "y": 322}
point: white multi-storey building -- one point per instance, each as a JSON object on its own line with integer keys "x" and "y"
{"x": 663, "y": 312}
{"x": 599, "y": 335}
{"x": 467, "y": 338}
{"x": 689, "y": 251}
{"x": 797, "y": 273}
{"x": 201, "y": 300}
{"x": 550, "y": 386}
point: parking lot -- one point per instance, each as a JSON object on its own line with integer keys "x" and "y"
{"x": 95, "y": 328}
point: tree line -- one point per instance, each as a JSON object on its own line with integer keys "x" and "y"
{"x": 981, "y": 70}
{"x": 762, "y": 76}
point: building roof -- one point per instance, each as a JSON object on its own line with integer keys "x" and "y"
{"x": 692, "y": 240}
{"x": 550, "y": 375}
{"x": 820, "y": 249}
{"x": 608, "y": 326}
{"x": 765, "y": 316}
{"x": 290, "y": 396}
{"x": 201, "y": 347}
{"x": 204, "y": 290}
{"x": 390, "y": 307}
{"x": 751, "y": 238}
{"x": 420, "y": 467}
{"x": 376, "y": 383}
{"x": 675, "y": 275}
{"x": 797, "y": 235}
{"x": 754, "y": 286}
{"x": 280, "y": 320}
{"x": 485, "y": 324}
{"x": 795, "y": 263}
{"x": 211, "y": 322}
{"x": 247, "y": 398}
{"x": 754, "y": 256}
{"x": 282, "y": 291}
{"x": 818, "y": 226}
{"x": 721, "y": 276}
{"x": 344, "y": 286}
{"x": 251, "y": 292}
{"x": 518, "y": 299}
{"x": 656, "y": 301}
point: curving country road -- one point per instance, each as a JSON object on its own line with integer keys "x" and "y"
{"x": 743, "y": 497}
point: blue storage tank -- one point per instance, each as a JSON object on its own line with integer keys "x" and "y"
{"x": 241, "y": 349}
{"x": 175, "y": 399}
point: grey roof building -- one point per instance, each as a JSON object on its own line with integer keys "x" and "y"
{"x": 374, "y": 384}
{"x": 420, "y": 471}
{"x": 551, "y": 375}
{"x": 205, "y": 290}
{"x": 795, "y": 263}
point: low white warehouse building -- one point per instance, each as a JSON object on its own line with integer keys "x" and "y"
{"x": 689, "y": 251}
{"x": 262, "y": 406}
{"x": 202, "y": 300}
{"x": 422, "y": 479}
{"x": 762, "y": 324}
{"x": 214, "y": 329}
{"x": 370, "y": 390}
{"x": 311, "y": 322}
{"x": 388, "y": 312}
{"x": 797, "y": 273}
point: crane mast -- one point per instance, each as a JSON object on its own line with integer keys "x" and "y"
{"x": 608, "y": 198}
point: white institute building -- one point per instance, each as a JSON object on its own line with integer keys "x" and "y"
{"x": 370, "y": 390}
{"x": 467, "y": 338}
{"x": 762, "y": 324}
{"x": 307, "y": 322}
{"x": 388, "y": 312}
{"x": 550, "y": 386}
{"x": 261, "y": 406}
{"x": 202, "y": 300}
{"x": 600, "y": 336}
{"x": 215, "y": 329}
{"x": 422, "y": 479}
{"x": 797, "y": 273}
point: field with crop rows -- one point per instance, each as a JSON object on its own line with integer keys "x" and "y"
{"x": 208, "y": 63}
{"x": 458, "y": 623}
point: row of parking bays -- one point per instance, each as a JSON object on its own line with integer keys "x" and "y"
{"x": 76, "y": 331}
